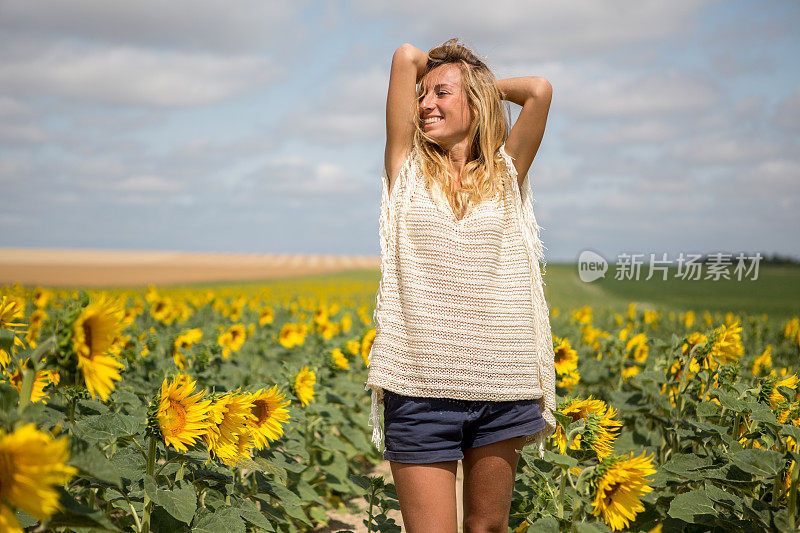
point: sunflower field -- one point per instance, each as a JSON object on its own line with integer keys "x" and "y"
{"x": 242, "y": 408}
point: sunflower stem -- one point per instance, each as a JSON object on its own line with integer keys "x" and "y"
{"x": 792, "y": 498}
{"x": 27, "y": 388}
{"x": 561, "y": 490}
{"x": 151, "y": 464}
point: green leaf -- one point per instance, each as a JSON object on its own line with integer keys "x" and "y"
{"x": 759, "y": 462}
{"x": 92, "y": 462}
{"x": 546, "y": 524}
{"x": 723, "y": 497}
{"x": 224, "y": 520}
{"x": 693, "y": 507}
{"x": 6, "y": 340}
{"x": 564, "y": 461}
{"x": 687, "y": 462}
{"x": 180, "y": 502}
{"x": 250, "y": 512}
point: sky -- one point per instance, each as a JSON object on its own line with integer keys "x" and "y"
{"x": 259, "y": 126}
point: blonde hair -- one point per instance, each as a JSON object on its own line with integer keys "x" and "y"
{"x": 485, "y": 171}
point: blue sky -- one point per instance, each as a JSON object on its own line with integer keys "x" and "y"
{"x": 258, "y": 126}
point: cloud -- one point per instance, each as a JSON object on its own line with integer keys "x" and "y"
{"x": 787, "y": 113}
{"x": 537, "y": 29}
{"x": 353, "y": 110}
{"x": 148, "y": 184}
{"x": 618, "y": 94}
{"x": 132, "y": 76}
{"x": 185, "y": 24}
{"x": 295, "y": 175}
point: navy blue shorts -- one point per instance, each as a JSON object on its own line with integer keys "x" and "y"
{"x": 429, "y": 430}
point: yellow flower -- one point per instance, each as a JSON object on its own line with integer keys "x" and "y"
{"x": 566, "y": 360}
{"x": 266, "y": 316}
{"x": 40, "y": 297}
{"x": 629, "y": 371}
{"x": 353, "y": 346}
{"x": 231, "y": 415}
{"x": 304, "y": 386}
{"x": 291, "y": 335}
{"x": 185, "y": 340}
{"x": 232, "y": 340}
{"x": 339, "y": 359}
{"x": 269, "y": 409}
{"x": 583, "y": 315}
{"x": 618, "y": 487}
{"x": 32, "y": 463}
{"x": 689, "y": 319}
{"x": 791, "y": 327}
{"x": 568, "y": 381}
{"x": 182, "y": 413}
{"x": 93, "y": 337}
{"x": 366, "y": 345}
{"x": 11, "y": 310}
{"x": 601, "y": 429}
{"x": 41, "y": 380}
{"x": 763, "y": 360}
{"x": 727, "y": 347}
{"x": 637, "y": 343}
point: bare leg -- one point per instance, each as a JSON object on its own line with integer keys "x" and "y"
{"x": 427, "y": 495}
{"x": 489, "y": 473}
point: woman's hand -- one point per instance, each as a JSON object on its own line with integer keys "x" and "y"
{"x": 518, "y": 90}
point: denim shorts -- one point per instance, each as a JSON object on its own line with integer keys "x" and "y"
{"x": 429, "y": 430}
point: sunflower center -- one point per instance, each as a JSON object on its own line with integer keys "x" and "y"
{"x": 611, "y": 491}
{"x": 87, "y": 336}
{"x": 6, "y": 474}
{"x": 261, "y": 410}
{"x": 174, "y": 418}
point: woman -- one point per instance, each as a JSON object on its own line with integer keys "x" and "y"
{"x": 462, "y": 359}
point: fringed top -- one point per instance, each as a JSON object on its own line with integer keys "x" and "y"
{"x": 460, "y": 310}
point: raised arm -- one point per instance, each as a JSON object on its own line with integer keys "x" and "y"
{"x": 534, "y": 95}
{"x": 408, "y": 66}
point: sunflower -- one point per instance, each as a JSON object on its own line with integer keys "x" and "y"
{"x": 618, "y": 485}
{"x": 269, "y": 409}
{"x": 11, "y": 310}
{"x": 230, "y": 415}
{"x": 727, "y": 346}
{"x": 32, "y": 463}
{"x": 304, "y": 385}
{"x": 601, "y": 429}
{"x": 93, "y": 335}
{"x": 182, "y": 413}
{"x": 339, "y": 359}
{"x": 41, "y": 380}
{"x": 40, "y": 297}
{"x": 637, "y": 343}
{"x": 366, "y": 345}
{"x": 36, "y": 319}
{"x": 568, "y": 381}
{"x": 566, "y": 360}
{"x": 266, "y": 316}
{"x": 185, "y": 340}
{"x": 232, "y": 340}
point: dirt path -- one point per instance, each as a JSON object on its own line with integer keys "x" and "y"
{"x": 118, "y": 268}
{"x": 340, "y": 521}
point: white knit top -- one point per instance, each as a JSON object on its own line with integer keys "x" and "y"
{"x": 460, "y": 310}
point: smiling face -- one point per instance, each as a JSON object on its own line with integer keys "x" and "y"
{"x": 443, "y": 109}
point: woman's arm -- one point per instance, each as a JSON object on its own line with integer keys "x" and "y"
{"x": 402, "y": 110}
{"x": 534, "y": 95}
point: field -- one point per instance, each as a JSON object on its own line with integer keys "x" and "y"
{"x": 240, "y": 406}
